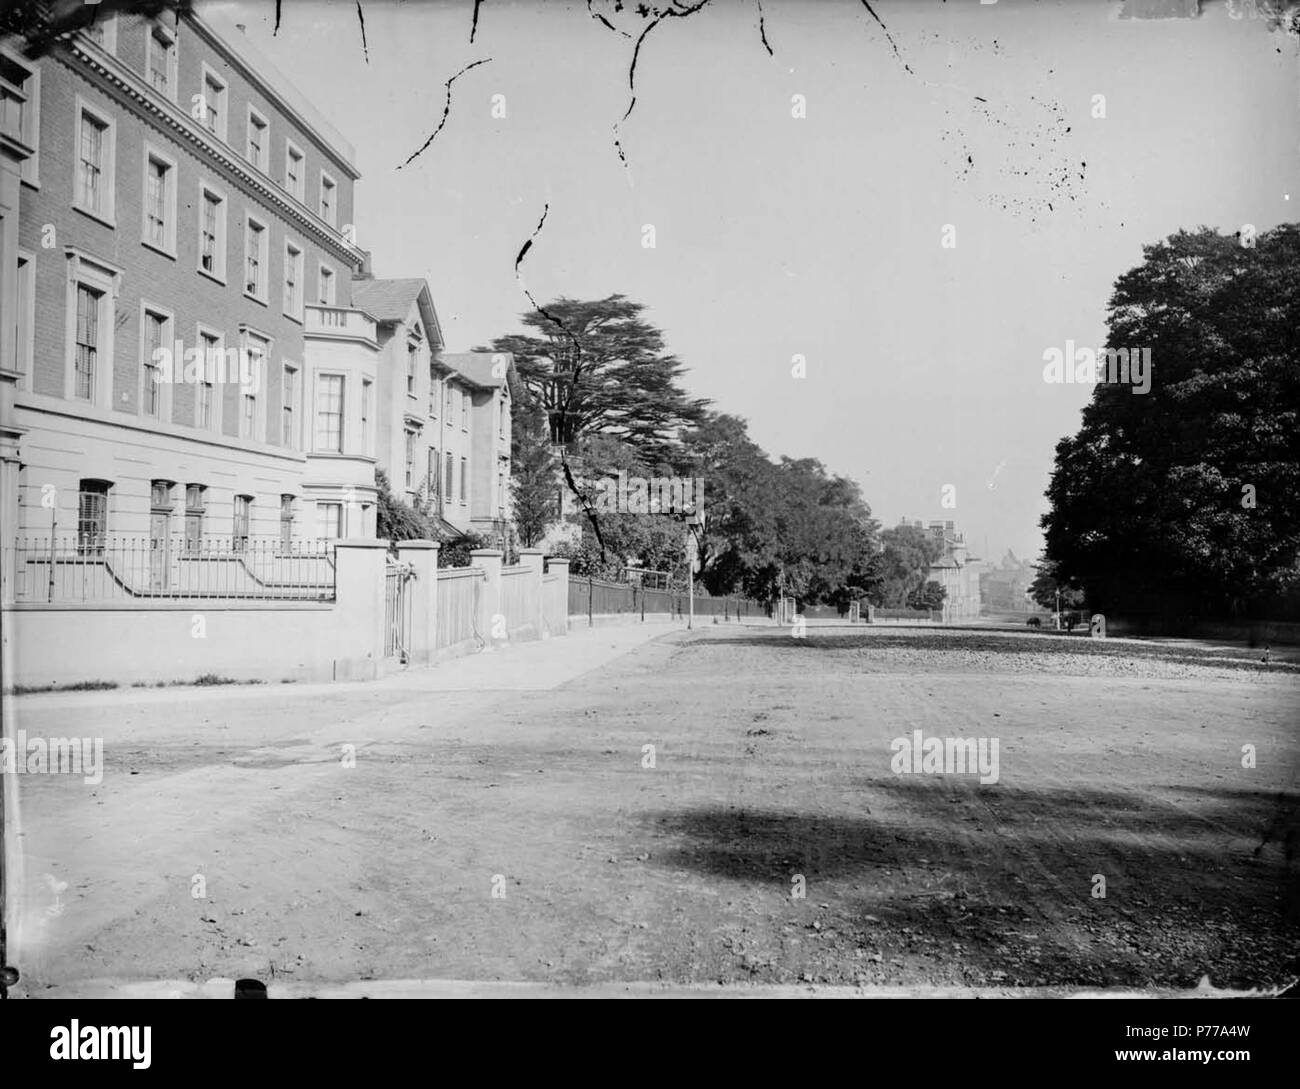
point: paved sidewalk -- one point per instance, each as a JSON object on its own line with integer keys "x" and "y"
{"x": 527, "y": 665}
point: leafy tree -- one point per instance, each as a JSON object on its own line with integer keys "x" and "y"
{"x": 907, "y": 553}
{"x": 1046, "y": 584}
{"x": 534, "y": 481}
{"x": 929, "y": 595}
{"x": 770, "y": 528}
{"x": 598, "y": 367}
{"x": 654, "y": 541}
{"x": 1178, "y": 502}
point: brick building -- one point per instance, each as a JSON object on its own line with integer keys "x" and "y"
{"x": 182, "y": 205}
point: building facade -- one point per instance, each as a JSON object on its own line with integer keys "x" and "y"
{"x": 182, "y": 214}
{"x": 955, "y": 570}
{"x": 196, "y": 354}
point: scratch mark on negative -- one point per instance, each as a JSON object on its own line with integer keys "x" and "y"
{"x": 888, "y": 37}
{"x": 446, "y": 110}
{"x": 762, "y": 29}
{"x": 361, "y": 16}
{"x": 473, "y": 28}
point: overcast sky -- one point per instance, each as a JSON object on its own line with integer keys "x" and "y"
{"x": 819, "y": 235}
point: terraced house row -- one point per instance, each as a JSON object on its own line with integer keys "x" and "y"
{"x": 195, "y": 352}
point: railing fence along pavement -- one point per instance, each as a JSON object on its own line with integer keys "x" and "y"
{"x": 84, "y": 569}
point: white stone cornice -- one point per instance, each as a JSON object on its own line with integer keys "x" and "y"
{"x": 131, "y": 89}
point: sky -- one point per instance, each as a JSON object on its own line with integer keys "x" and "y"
{"x": 820, "y": 235}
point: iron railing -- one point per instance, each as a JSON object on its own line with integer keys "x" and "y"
{"x": 595, "y": 597}
{"x": 88, "y": 568}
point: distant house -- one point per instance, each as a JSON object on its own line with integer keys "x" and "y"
{"x": 956, "y": 571}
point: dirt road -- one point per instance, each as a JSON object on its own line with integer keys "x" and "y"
{"x": 518, "y": 832}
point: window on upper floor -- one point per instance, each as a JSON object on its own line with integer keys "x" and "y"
{"x": 20, "y": 104}
{"x": 159, "y": 201}
{"x": 328, "y": 199}
{"x": 155, "y": 349}
{"x": 92, "y": 289}
{"x": 23, "y": 344}
{"x": 294, "y": 173}
{"x": 256, "y": 242}
{"x": 325, "y": 294}
{"x": 206, "y": 405}
{"x": 410, "y": 459}
{"x": 464, "y": 480}
{"x": 212, "y": 104}
{"x": 96, "y": 139}
{"x": 88, "y": 362}
{"x": 447, "y": 476}
{"x": 367, "y": 409}
{"x": 252, "y": 379}
{"x": 103, "y": 32}
{"x": 160, "y": 47}
{"x": 212, "y": 233}
{"x": 289, "y": 408}
{"x": 329, "y": 413}
{"x": 293, "y": 271}
{"x": 259, "y": 140}
{"x": 464, "y": 410}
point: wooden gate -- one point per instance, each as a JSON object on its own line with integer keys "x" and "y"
{"x": 397, "y": 612}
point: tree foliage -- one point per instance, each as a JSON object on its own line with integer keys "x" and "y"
{"x": 42, "y": 24}
{"x": 1181, "y": 501}
{"x": 533, "y": 481}
{"x": 929, "y": 595}
{"x": 906, "y": 554}
{"x": 598, "y": 367}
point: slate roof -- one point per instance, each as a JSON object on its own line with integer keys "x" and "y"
{"x": 477, "y": 367}
{"x": 386, "y": 300}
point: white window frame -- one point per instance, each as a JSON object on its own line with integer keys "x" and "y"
{"x": 29, "y": 171}
{"x": 168, "y": 247}
{"x": 107, "y": 23}
{"x": 108, "y": 170}
{"x": 218, "y": 397}
{"x": 299, "y": 266}
{"x": 343, "y": 412}
{"x": 263, "y": 258}
{"x": 151, "y": 30}
{"x": 410, "y": 449}
{"x": 247, "y": 335}
{"x": 212, "y": 76}
{"x": 464, "y": 480}
{"x": 106, "y": 279}
{"x": 218, "y": 274}
{"x": 298, "y": 192}
{"x": 325, "y": 273}
{"x": 165, "y": 386}
{"x": 295, "y": 406}
{"x": 327, "y": 182}
{"x": 321, "y": 504}
{"x": 254, "y": 115}
{"x": 367, "y": 416}
{"x": 23, "y": 348}
{"x": 464, "y": 410}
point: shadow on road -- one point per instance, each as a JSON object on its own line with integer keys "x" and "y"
{"x": 1004, "y": 883}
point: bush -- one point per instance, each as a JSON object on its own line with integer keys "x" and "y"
{"x": 457, "y": 553}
